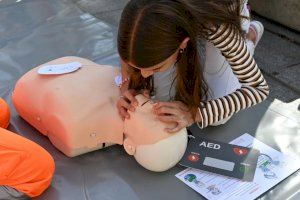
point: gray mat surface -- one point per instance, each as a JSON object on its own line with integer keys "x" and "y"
{"x": 33, "y": 32}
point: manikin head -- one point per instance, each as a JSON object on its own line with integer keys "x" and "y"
{"x": 146, "y": 139}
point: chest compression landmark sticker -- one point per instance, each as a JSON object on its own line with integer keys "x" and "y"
{"x": 59, "y": 68}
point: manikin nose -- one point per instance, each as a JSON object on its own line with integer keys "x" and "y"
{"x": 146, "y": 74}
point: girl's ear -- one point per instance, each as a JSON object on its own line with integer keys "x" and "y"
{"x": 184, "y": 43}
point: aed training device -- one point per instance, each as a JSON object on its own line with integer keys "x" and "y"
{"x": 221, "y": 158}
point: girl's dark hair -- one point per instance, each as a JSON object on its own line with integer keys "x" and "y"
{"x": 150, "y": 31}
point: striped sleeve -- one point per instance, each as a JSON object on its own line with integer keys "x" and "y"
{"x": 254, "y": 87}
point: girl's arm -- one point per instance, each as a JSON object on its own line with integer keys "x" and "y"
{"x": 254, "y": 87}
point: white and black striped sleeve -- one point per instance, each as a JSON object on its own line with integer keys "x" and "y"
{"x": 254, "y": 88}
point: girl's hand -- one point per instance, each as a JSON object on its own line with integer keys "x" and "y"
{"x": 127, "y": 102}
{"x": 176, "y": 112}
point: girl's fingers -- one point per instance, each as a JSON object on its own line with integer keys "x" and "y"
{"x": 182, "y": 106}
{"x": 171, "y": 118}
{"x": 167, "y": 118}
{"x": 130, "y": 96}
{"x": 166, "y": 111}
{"x": 174, "y": 130}
{"x": 164, "y": 104}
{"x": 121, "y": 115}
{"x": 127, "y": 106}
{"x": 124, "y": 114}
{"x": 174, "y": 104}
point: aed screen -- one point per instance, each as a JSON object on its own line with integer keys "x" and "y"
{"x": 217, "y": 163}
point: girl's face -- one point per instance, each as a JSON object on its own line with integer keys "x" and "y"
{"x": 164, "y": 65}
{"x": 160, "y": 67}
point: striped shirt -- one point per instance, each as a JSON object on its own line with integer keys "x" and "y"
{"x": 254, "y": 87}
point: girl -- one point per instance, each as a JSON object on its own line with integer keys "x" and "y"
{"x": 192, "y": 57}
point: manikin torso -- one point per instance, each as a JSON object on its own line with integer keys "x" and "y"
{"x": 78, "y": 112}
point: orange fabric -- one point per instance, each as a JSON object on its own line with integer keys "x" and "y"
{"x": 4, "y": 114}
{"x": 24, "y": 165}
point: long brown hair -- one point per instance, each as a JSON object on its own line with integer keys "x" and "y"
{"x": 150, "y": 31}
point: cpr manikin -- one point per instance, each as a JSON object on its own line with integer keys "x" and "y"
{"x": 78, "y": 112}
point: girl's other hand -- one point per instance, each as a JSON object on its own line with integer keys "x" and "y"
{"x": 176, "y": 112}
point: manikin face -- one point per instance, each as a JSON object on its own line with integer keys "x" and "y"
{"x": 146, "y": 138}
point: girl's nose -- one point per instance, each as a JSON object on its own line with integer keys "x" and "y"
{"x": 146, "y": 74}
